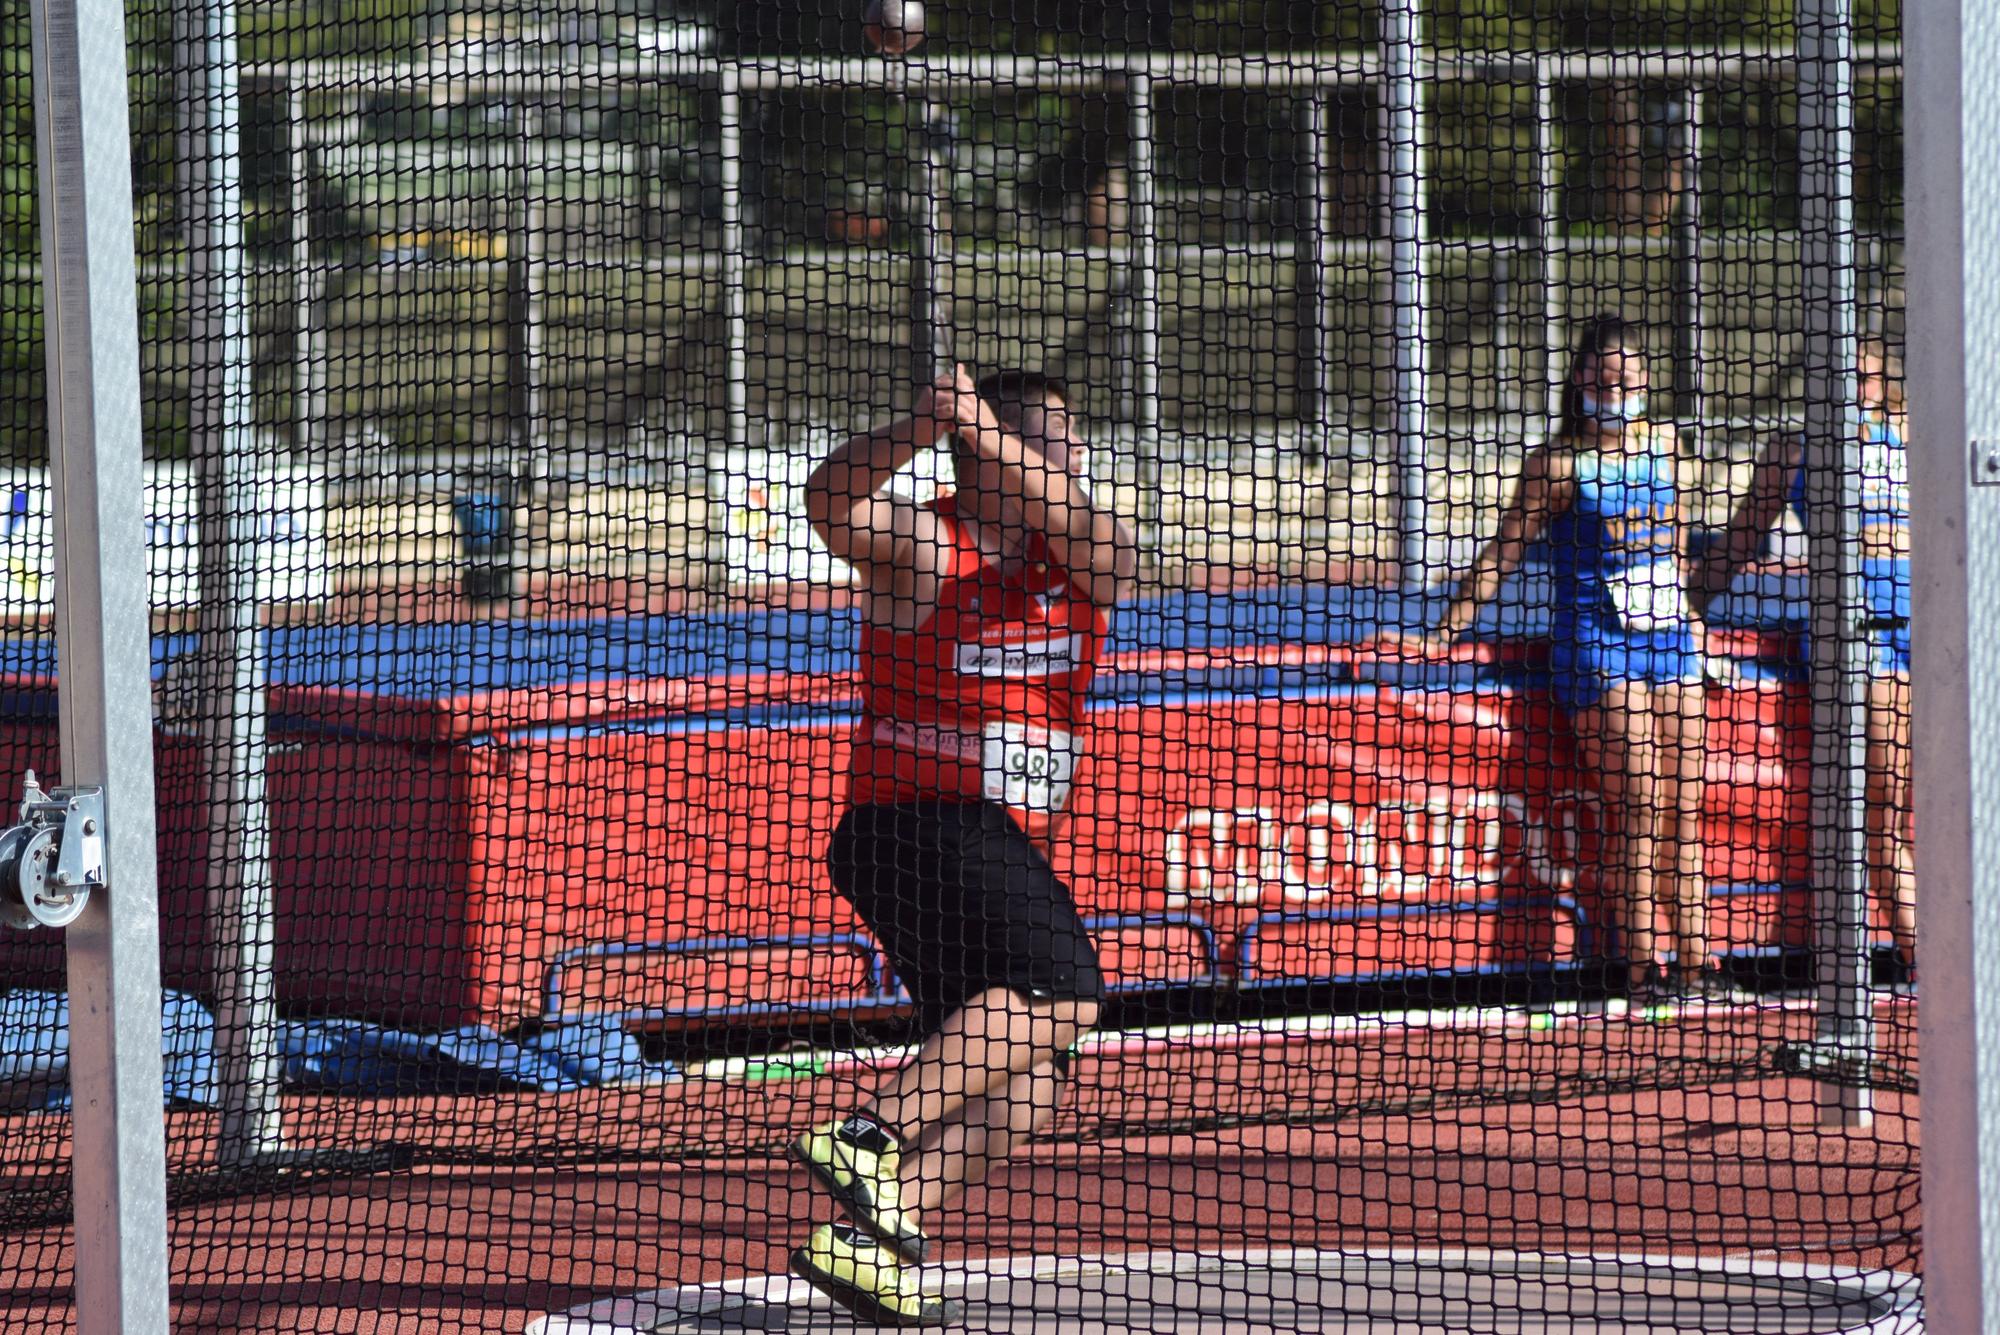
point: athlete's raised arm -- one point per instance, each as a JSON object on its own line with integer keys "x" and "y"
{"x": 849, "y": 507}
{"x": 1754, "y": 515}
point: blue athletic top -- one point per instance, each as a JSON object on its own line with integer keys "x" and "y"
{"x": 1885, "y": 474}
{"x": 1622, "y": 534}
{"x": 1885, "y": 499}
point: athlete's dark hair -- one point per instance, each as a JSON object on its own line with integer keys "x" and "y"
{"x": 1600, "y": 334}
{"x": 1011, "y": 391}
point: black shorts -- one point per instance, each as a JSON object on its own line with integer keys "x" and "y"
{"x": 962, "y": 901}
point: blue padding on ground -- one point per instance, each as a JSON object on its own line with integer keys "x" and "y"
{"x": 366, "y": 1060}
{"x": 34, "y": 1050}
{"x": 444, "y": 660}
{"x": 328, "y": 1056}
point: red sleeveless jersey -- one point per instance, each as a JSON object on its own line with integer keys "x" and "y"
{"x": 985, "y": 698}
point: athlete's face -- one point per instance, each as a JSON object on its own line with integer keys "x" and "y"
{"x": 1049, "y": 429}
{"x": 1611, "y": 390}
{"x": 1874, "y": 376}
{"x": 1619, "y": 371}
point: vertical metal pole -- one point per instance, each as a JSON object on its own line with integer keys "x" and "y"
{"x": 735, "y": 306}
{"x": 534, "y": 433}
{"x": 1409, "y": 292}
{"x": 930, "y": 274}
{"x": 1548, "y": 234}
{"x": 1145, "y": 295}
{"x": 1690, "y": 333}
{"x": 308, "y": 367}
{"x": 1311, "y": 282}
{"x": 118, "y": 1154}
{"x": 1840, "y": 666}
{"x": 222, "y": 446}
{"x": 1953, "y": 253}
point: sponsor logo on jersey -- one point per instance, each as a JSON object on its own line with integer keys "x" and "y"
{"x": 1014, "y": 657}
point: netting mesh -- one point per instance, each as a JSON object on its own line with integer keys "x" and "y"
{"x": 1249, "y": 630}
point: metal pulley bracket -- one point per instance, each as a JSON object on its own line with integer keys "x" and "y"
{"x": 52, "y": 859}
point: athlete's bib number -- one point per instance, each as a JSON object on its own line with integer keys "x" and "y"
{"x": 1651, "y": 597}
{"x": 1027, "y": 768}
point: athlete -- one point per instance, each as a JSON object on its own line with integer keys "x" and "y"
{"x": 984, "y": 618}
{"x": 1881, "y": 429}
{"x": 1604, "y": 500}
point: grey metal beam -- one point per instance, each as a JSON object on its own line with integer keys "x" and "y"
{"x": 1954, "y": 342}
{"x": 308, "y": 357}
{"x": 1833, "y": 526}
{"x": 1409, "y": 289}
{"x": 1690, "y": 298}
{"x": 222, "y": 447}
{"x": 103, "y": 637}
{"x": 1311, "y": 281}
{"x": 1145, "y": 289}
{"x": 1081, "y": 72}
{"x": 735, "y": 300}
{"x": 1548, "y": 241}
{"x": 931, "y": 348}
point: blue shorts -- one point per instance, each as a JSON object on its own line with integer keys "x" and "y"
{"x": 1592, "y": 658}
{"x": 1889, "y": 651}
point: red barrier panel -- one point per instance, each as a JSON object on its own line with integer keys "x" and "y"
{"x": 430, "y": 862}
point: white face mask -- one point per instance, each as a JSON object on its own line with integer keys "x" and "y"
{"x": 1620, "y": 408}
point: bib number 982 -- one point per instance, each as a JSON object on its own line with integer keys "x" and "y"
{"x": 1027, "y": 768}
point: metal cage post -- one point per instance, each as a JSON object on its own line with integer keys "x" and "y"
{"x": 1409, "y": 286}
{"x": 1145, "y": 289}
{"x": 1953, "y": 244}
{"x": 1690, "y": 297}
{"x": 735, "y": 304}
{"x": 103, "y": 634}
{"x": 1311, "y": 283}
{"x": 1548, "y": 232}
{"x": 1839, "y": 641}
{"x": 222, "y": 443}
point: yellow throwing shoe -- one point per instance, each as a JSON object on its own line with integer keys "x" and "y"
{"x": 864, "y": 1276}
{"x": 857, "y": 1163}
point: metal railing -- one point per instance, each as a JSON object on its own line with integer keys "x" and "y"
{"x": 1400, "y": 72}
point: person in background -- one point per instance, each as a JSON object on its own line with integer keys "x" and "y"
{"x": 1881, "y": 427}
{"x": 1604, "y": 500}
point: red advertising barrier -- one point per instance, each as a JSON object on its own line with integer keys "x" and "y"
{"x": 434, "y": 865}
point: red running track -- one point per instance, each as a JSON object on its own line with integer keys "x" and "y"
{"x": 1735, "y": 1169}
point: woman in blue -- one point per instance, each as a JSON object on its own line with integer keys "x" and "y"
{"x": 1603, "y": 499}
{"x": 1779, "y": 482}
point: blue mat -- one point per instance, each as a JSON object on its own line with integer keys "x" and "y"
{"x": 451, "y": 659}
{"x": 326, "y": 1056}
{"x": 34, "y": 1050}
{"x": 445, "y": 660}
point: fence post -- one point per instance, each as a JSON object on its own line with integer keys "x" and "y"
{"x": 1310, "y": 281}
{"x": 1690, "y": 340}
{"x": 1833, "y": 522}
{"x": 222, "y": 445}
{"x": 103, "y": 633}
{"x": 1548, "y": 238}
{"x": 1952, "y": 100}
{"x": 735, "y": 306}
{"x": 1145, "y": 300}
{"x": 1409, "y": 286}
{"x": 931, "y": 342}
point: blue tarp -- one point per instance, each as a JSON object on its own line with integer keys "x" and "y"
{"x": 328, "y": 1056}
{"x": 442, "y": 660}
{"x": 34, "y": 1049}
